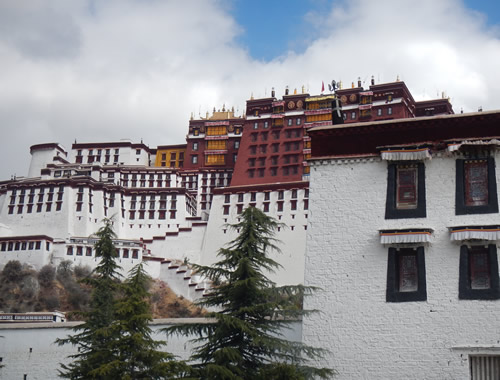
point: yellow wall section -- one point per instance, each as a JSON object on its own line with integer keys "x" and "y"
{"x": 165, "y": 158}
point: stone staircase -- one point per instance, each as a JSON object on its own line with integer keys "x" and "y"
{"x": 183, "y": 280}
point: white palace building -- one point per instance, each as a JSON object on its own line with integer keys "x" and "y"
{"x": 392, "y": 213}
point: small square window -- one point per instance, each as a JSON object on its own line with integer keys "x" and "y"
{"x": 406, "y": 275}
{"x": 478, "y": 279}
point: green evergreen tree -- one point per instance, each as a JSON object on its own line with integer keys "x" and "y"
{"x": 137, "y": 354}
{"x": 94, "y": 337}
{"x": 245, "y": 342}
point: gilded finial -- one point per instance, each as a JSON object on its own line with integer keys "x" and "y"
{"x": 295, "y": 91}
{"x": 303, "y": 89}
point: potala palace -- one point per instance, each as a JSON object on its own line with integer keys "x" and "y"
{"x": 390, "y": 207}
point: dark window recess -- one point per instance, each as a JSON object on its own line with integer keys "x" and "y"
{"x": 478, "y": 279}
{"x": 406, "y": 275}
{"x": 405, "y": 191}
{"x": 476, "y": 187}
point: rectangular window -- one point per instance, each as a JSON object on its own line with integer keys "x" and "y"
{"x": 405, "y": 191}
{"x": 215, "y": 159}
{"x": 280, "y": 206}
{"x": 406, "y": 187}
{"x": 216, "y": 144}
{"x": 389, "y": 111}
{"x": 484, "y": 367}
{"x": 195, "y": 146}
{"x": 476, "y": 182}
{"x": 216, "y": 130}
{"x": 406, "y": 275}
{"x": 226, "y": 210}
{"x": 478, "y": 278}
{"x": 88, "y": 251}
{"x": 194, "y": 159}
{"x": 236, "y": 145}
{"x": 476, "y": 188}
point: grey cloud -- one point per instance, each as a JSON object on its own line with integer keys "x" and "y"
{"x": 39, "y": 32}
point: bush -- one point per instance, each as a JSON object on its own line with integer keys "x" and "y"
{"x": 64, "y": 270}
{"x": 81, "y": 271}
{"x": 46, "y": 275}
{"x": 30, "y": 287}
{"x": 13, "y": 271}
{"x": 78, "y": 297}
{"x": 50, "y": 302}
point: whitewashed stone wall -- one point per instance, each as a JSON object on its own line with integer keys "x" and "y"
{"x": 30, "y": 349}
{"x": 368, "y": 337}
{"x": 291, "y": 237}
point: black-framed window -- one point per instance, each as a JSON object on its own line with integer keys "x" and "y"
{"x": 406, "y": 275}
{"x": 405, "y": 191}
{"x": 476, "y": 186}
{"x": 478, "y": 279}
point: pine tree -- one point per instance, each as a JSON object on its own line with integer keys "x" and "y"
{"x": 137, "y": 354}
{"x": 94, "y": 337}
{"x": 245, "y": 342}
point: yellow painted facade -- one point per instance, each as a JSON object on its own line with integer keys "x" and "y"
{"x": 170, "y": 157}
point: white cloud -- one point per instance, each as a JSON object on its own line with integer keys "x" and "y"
{"x": 103, "y": 71}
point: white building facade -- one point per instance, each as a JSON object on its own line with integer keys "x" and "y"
{"x": 161, "y": 215}
{"x": 403, "y": 240}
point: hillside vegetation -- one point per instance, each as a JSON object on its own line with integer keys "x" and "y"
{"x": 23, "y": 289}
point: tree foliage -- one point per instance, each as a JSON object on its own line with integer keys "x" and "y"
{"x": 246, "y": 342}
{"x": 13, "y": 271}
{"x": 94, "y": 337}
{"x": 137, "y": 353}
{"x": 115, "y": 341}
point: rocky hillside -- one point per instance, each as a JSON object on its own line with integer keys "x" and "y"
{"x": 23, "y": 289}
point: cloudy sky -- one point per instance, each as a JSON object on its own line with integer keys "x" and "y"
{"x": 90, "y": 70}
